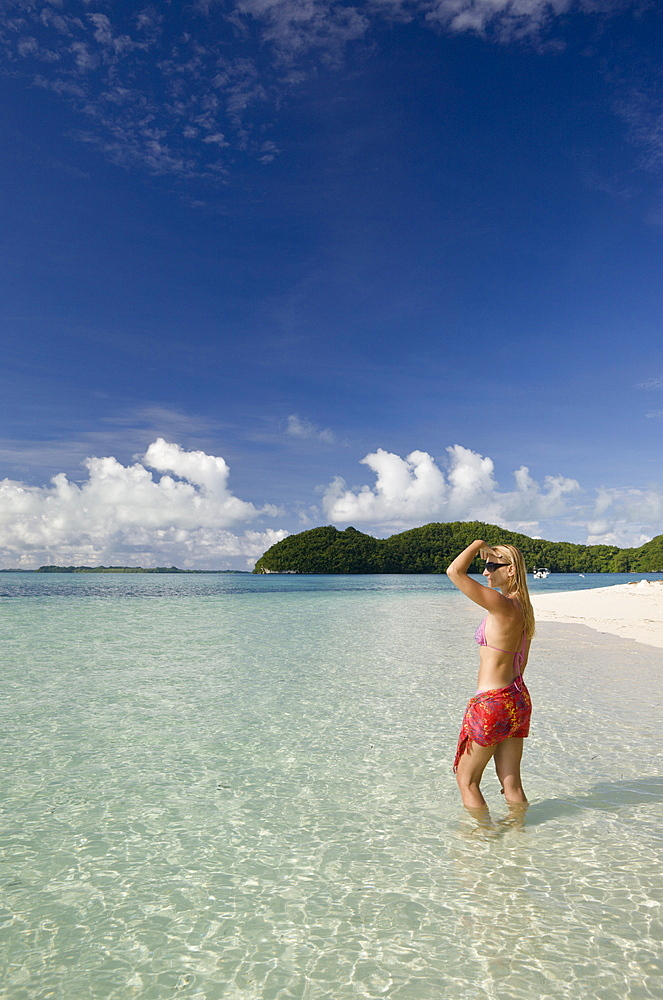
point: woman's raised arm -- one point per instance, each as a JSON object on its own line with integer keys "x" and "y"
{"x": 485, "y": 597}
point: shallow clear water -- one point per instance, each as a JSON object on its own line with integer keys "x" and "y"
{"x": 240, "y": 787}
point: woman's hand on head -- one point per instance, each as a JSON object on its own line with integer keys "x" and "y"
{"x": 487, "y": 553}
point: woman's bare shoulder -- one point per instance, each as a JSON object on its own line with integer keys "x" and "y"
{"x": 507, "y": 608}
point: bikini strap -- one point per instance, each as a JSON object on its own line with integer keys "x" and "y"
{"x": 520, "y": 655}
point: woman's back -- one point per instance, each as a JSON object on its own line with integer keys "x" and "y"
{"x": 503, "y": 650}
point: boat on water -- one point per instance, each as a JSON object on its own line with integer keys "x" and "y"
{"x": 540, "y": 572}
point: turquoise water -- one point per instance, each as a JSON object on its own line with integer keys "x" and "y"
{"x": 240, "y": 787}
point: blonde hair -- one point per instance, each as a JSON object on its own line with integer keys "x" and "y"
{"x": 518, "y": 588}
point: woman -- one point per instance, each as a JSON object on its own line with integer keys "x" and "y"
{"x": 497, "y": 718}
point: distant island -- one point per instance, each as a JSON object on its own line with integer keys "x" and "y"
{"x": 118, "y": 569}
{"x": 431, "y": 548}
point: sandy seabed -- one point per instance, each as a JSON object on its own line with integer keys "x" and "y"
{"x": 241, "y": 789}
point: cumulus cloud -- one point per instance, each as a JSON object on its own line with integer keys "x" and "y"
{"x": 123, "y": 514}
{"x": 414, "y": 490}
{"x": 626, "y": 517}
{"x": 304, "y": 429}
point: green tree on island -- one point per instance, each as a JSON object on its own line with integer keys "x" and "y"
{"x": 431, "y": 548}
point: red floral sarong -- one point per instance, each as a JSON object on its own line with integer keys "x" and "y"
{"x": 494, "y": 716}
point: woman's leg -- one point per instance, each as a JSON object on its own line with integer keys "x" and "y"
{"x": 468, "y": 774}
{"x": 508, "y": 755}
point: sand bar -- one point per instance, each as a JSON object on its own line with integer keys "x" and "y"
{"x": 630, "y": 610}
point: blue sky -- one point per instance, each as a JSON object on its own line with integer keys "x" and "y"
{"x": 268, "y": 265}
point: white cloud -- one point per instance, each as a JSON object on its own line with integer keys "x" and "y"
{"x": 152, "y": 94}
{"x": 508, "y": 18}
{"x": 125, "y": 433}
{"x": 640, "y": 109}
{"x": 306, "y": 430}
{"x": 122, "y": 514}
{"x": 175, "y": 507}
{"x": 296, "y": 26}
{"x": 626, "y": 517}
{"x": 218, "y": 139}
{"x": 414, "y": 490}
{"x": 167, "y": 99}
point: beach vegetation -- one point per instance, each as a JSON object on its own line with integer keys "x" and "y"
{"x": 430, "y": 549}
{"x": 124, "y": 569}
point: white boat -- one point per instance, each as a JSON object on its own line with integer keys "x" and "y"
{"x": 540, "y": 572}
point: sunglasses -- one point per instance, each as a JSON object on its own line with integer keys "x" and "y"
{"x": 491, "y": 566}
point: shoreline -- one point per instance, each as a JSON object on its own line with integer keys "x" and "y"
{"x": 630, "y": 611}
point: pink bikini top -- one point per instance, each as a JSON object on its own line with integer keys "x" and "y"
{"x": 518, "y": 656}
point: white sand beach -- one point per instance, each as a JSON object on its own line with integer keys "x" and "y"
{"x": 631, "y": 610}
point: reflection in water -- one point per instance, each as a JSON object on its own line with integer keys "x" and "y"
{"x": 604, "y": 797}
{"x": 515, "y": 820}
{"x": 485, "y": 825}
{"x": 483, "y": 822}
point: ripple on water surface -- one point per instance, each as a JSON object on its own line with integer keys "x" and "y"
{"x": 249, "y": 796}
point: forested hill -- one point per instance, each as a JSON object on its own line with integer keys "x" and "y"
{"x": 431, "y": 548}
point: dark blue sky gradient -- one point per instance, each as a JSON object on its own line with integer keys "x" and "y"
{"x": 458, "y": 242}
